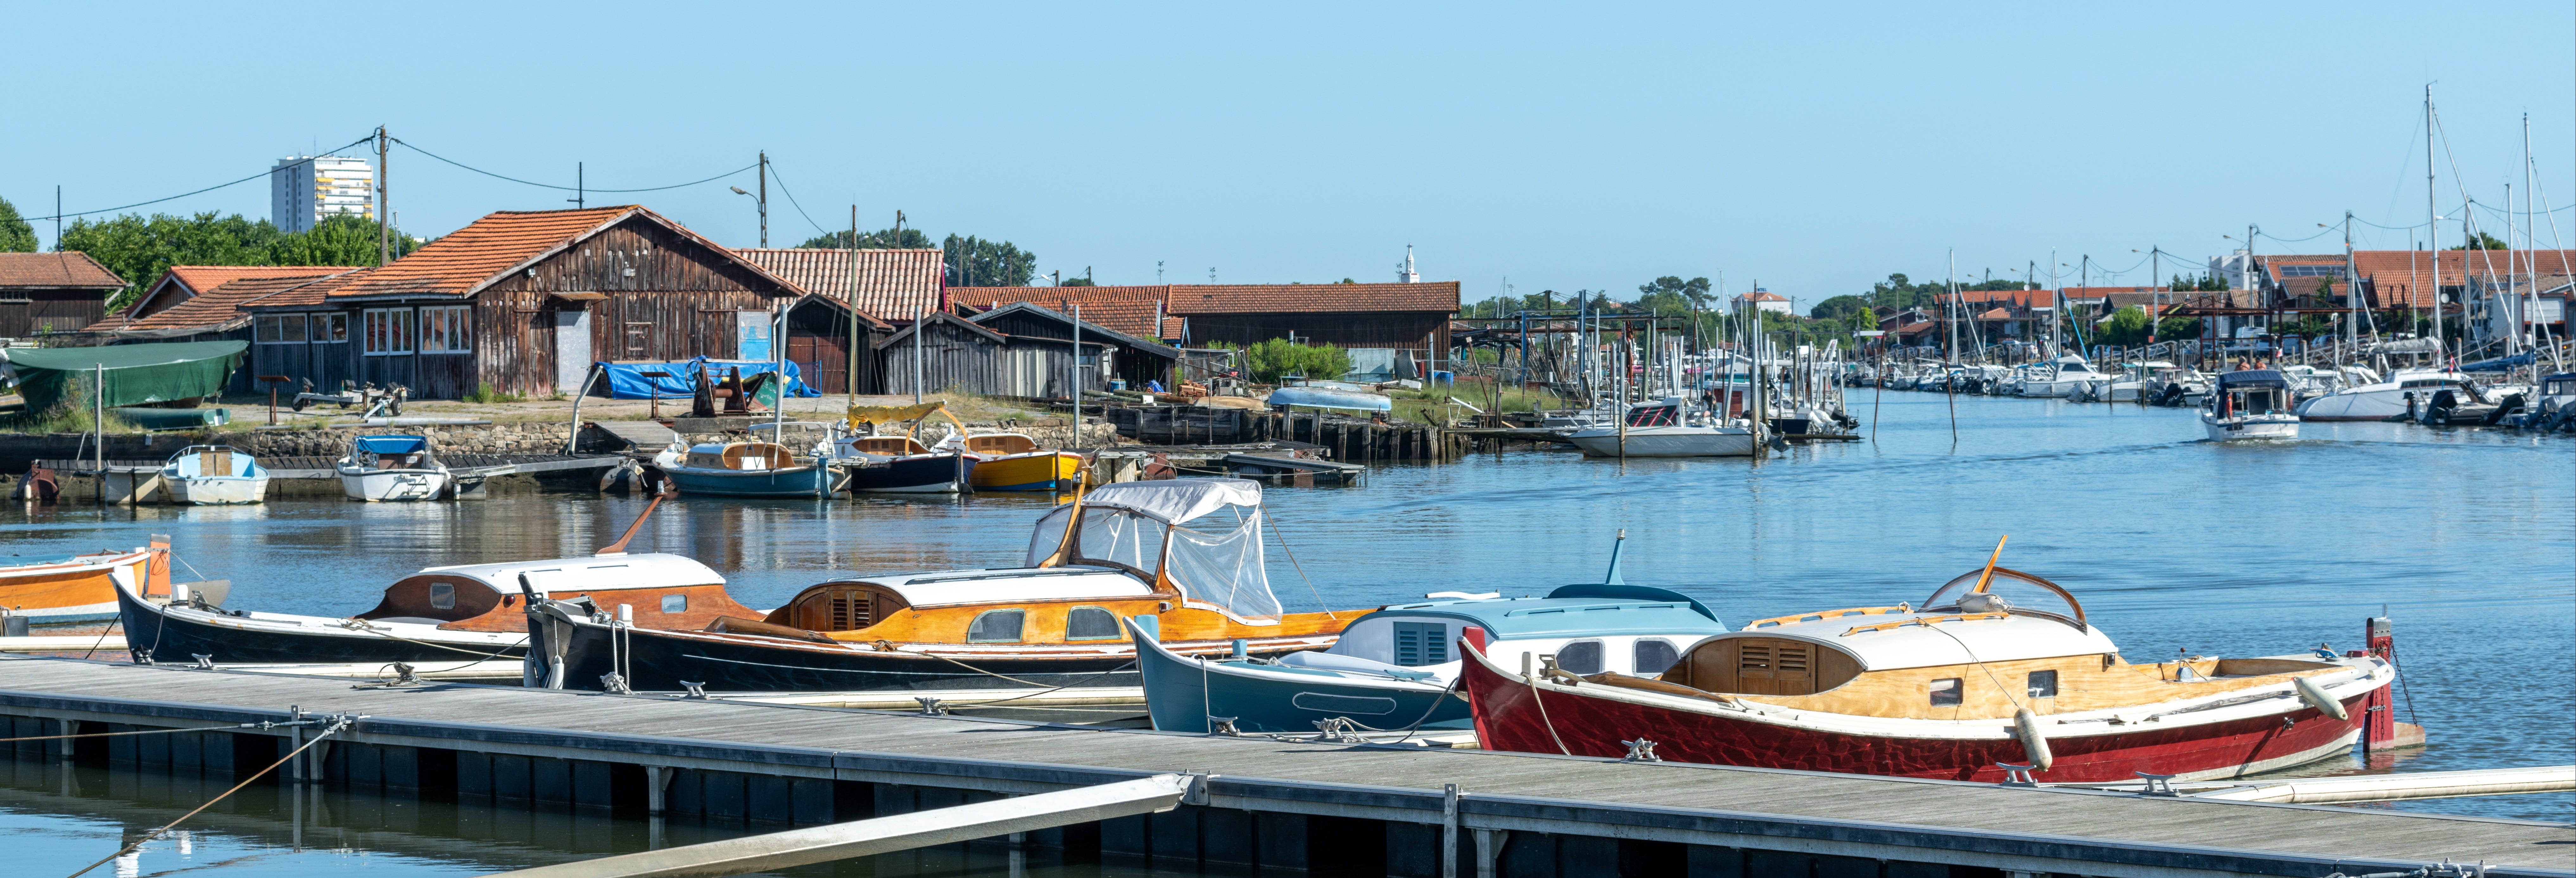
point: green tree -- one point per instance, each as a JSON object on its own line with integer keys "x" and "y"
{"x": 16, "y": 236}
{"x": 2483, "y": 241}
{"x": 1077, "y": 282}
{"x": 1840, "y": 307}
{"x": 1673, "y": 295}
{"x": 881, "y": 239}
{"x": 139, "y": 248}
{"x": 975, "y": 262}
{"x": 2127, "y": 326}
{"x": 1271, "y": 360}
{"x": 2174, "y": 328}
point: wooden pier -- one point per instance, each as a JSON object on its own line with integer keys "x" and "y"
{"x": 1269, "y": 803}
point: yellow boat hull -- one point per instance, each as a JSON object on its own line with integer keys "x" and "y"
{"x": 1032, "y": 471}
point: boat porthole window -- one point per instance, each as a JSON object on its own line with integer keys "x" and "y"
{"x": 1945, "y": 691}
{"x": 1581, "y": 658}
{"x": 675, "y": 603}
{"x": 2043, "y": 684}
{"x": 1090, "y": 623}
{"x": 442, "y": 595}
{"x": 1654, "y": 655}
{"x": 996, "y": 626}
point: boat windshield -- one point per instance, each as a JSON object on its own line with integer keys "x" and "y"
{"x": 2022, "y": 592}
{"x": 1179, "y": 531}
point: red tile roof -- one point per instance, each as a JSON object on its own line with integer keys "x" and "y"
{"x": 220, "y": 309}
{"x": 183, "y": 281}
{"x": 2404, "y": 278}
{"x": 1192, "y": 299}
{"x": 1129, "y": 310}
{"x": 892, "y": 285}
{"x": 1175, "y": 327}
{"x": 57, "y": 271}
{"x": 464, "y": 261}
{"x": 1762, "y": 296}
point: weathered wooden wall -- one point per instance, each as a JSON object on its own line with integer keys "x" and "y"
{"x": 1029, "y": 330}
{"x": 24, "y": 313}
{"x": 818, "y": 341}
{"x": 952, "y": 357}
{"x": 668, "y": 298}
{"x": 1357, "y": 329}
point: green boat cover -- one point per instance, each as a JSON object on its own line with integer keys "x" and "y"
{"x": 137, "y": 374}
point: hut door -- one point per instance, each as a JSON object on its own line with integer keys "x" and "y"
{"x": 751, "y": 335}
{"x": 572, "y": 349}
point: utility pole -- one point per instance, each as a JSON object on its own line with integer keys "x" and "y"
{"x": 764, "y": 199}
{"x": 384, "y": 201}
{"x": 58, "y": 213}
{"x": 580, "y": 194}
{"x": 850, "y": 298}
{"x": 1076, "y": 383}
{"x": 2351, "y": 294}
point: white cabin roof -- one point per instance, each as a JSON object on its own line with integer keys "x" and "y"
{"x": 1943, "y": 643}
{"x": 589, "y": 573}
{"x": 953, "y": 587}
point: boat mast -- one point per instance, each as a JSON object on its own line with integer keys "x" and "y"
{"x": 2433, "y": 231}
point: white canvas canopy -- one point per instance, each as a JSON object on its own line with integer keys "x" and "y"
{"x": 1140, "y": 526}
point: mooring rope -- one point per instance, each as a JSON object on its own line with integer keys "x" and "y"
{"x": 1542, "y": 712}
{"x": 342, "y": 723}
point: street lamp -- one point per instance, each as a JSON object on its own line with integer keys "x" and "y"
{"x": 763, "y": 200}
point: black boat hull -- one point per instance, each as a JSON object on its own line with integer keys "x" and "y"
{"x": 920, "y": 474}
{"x": 156, "y": 636}
{"x": 664, "y": 661}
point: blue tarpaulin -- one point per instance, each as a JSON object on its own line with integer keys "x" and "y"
{"x": 392, "y": 444}
{"x": 627, "y": 381}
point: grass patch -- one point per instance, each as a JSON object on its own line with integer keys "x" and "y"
{"x": 484, "y": 393}
{"x": 1431, "y": 404}
{"x": 65, "y": 418}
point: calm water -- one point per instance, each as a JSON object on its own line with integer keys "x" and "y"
{"x": 2468, "y": 538}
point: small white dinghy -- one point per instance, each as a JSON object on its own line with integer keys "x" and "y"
{"x": 212, "y": 475}
{"x": 380, "y": 468}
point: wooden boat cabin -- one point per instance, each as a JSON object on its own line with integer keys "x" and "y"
{"x": 1130, "y": 555}
{"x": 998, "y": 444}
{"x": 660, "y": 591}
{"x": 1964, "y": 655}
{"x": 882, "y": 446}
{"x": 741, "y": 456}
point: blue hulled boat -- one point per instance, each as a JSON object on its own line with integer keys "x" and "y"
{"x": 747, "y": 469}
{"x": 1397, "y": 668}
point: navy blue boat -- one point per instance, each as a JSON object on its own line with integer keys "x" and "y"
{"x": 1397, "y": 668}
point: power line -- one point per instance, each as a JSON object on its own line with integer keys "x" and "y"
{"x": 198, "y": 192}
{"x": 791, "y": 200}
{"x": 568, "y": 188}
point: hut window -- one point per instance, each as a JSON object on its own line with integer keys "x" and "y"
{"x": 1653, "y": 655}
{"x": 2043, "y": 684}
{"x": 1580, "y": 658}
{"x": 442, "y": 330}
{"x": 675, "y": 603}
{"x": 442, "y": 595}
{"x": 1421, "y": 643}
{"x": 1945, "y": 691}
{"x": 280, "y": 329}
{"x": 996, "y": 626}
{"x": 1090, "y": 623}
{"x": 385, "y": 332}
{"x": 331, "y": 327}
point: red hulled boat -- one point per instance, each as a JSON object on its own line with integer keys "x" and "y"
{"x": 1969, "y": 681}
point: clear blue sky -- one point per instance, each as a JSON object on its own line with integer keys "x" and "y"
{"x": 1815, "y": 148}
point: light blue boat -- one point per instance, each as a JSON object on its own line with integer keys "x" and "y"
{"x": 747, "y": 469}
{"x": 214, "y": 474}
{"x": 1322, "y": 397}
{"x": 1396, "y": 669}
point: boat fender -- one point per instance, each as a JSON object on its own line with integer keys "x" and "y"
{"x": 2316, "y": 697}
{"x": 2034, "y": 744}
{"x": 1474, "y": 635}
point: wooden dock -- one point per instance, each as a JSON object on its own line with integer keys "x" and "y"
{"x": 1270, "y": 803}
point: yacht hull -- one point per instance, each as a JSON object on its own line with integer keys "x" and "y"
{"x": 2354, "y": 405}
{"x": 2255, "y": 427}
{"x": 1182, "y": 693}
{"x": 217, "y": 490}
{"x": 74, "y": 590}
{"x": 801, "y": 481}
{"x": 160, "y": 633}
{"x": 916, "y": 474}
{"x": 1032, "y": 471}
{"x": 1665, "y": 442}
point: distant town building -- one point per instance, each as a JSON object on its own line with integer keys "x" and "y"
{"x": 302, "y": 190}
{"x": 1765, "y": 300}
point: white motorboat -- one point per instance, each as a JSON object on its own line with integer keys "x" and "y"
{"x": 1666, "y": 429}
{"x": 2382, "y": 400}
{"x": 380, "y": 468}
{"x": 2067, "y": 372}
{"x": 214, "y": 475}
{"x": 2248, "y": 405}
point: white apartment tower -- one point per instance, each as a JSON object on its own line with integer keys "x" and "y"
{"x": 302, "y": 190}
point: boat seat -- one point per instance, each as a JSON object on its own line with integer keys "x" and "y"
{"x": 1325, "y": 661}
